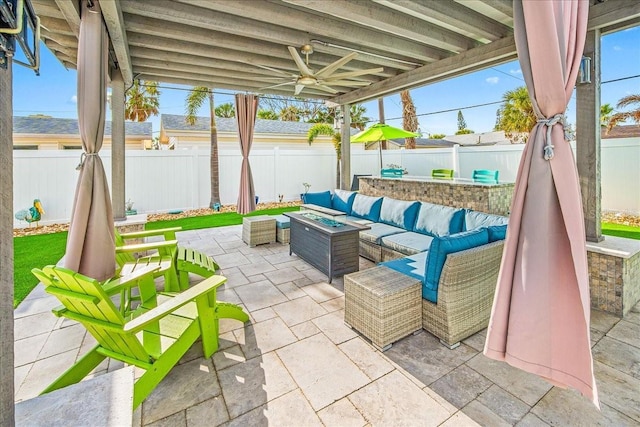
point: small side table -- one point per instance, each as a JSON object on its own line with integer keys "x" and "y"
{"x": 283, "y": 224}
{"x": 383, "y": 305}
{"x": 257, "y": 230}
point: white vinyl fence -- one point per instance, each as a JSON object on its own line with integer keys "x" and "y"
{"x": 159, "y": 181}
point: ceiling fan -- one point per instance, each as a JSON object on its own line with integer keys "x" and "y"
{"x": 322, "y": 79}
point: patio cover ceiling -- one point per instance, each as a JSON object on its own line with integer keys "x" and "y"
{"x": 218, "y": 43}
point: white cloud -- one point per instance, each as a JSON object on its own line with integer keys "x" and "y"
{"x": 514, "y": 71}
{"x": 617, "y": 48}
{"x": 492, "y": 80}
{"x": 73, "y": 99}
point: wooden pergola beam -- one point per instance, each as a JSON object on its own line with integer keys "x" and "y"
{"x": 112, "y": 14}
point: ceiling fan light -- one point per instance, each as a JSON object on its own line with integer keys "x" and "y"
{"x": 306, "y": 80}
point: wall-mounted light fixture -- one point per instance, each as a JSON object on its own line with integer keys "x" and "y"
{"x": 584, "y": 73}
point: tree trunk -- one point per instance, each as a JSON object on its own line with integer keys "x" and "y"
{"x": 409, "y": 118}
{"x": 215, "y": 170}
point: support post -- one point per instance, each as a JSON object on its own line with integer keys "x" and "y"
{"x": 7, "y": 414}
{"x": 345, "y": 163}
{"x": 588, "y": 140}
{"x": 117, "y": 146}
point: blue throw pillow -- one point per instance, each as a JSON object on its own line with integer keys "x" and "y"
{"x": 438, "y": 251}
{"x": 342, "y": 200}
{"x": 474, "y": 219}
{"x": 497, "y": 232}
{"x": 321, "y": 199}
{"x": 366, "y": 207}
{"x": 438, "y": 220}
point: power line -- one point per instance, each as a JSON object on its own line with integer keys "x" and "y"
{"x": 621, "y": 78}
{"x": 451, "y": 109}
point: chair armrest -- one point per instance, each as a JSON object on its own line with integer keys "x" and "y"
{"x": 116, "y": 285}
{"x": 175, "y": 303}
{"x": 142, "y": 247}
{"x": 168, "y": 233}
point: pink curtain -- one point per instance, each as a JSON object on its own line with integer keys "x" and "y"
{"x": 90, "y": 243}
{"x": 540, "y": 317}
{"x": 541, "y": 312}
{"x": 246, "y": 108}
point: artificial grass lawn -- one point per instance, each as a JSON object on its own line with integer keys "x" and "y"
{"x": 620, "y": 230}
{"x": 34, "y": 252}
{"x": 45, "y": 249}
{"x": 214, "y": 220}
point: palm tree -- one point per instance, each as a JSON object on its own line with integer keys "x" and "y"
{"x": 226, "y": 110}
{"x": 336, "y": 138}
{"x": 409, "y": 118}
{"x": 606, "y": 111}
{"x": 515, "y": 116}
{"x": 143, "y": 100}
{"x": 358, "y": 119}
{"x": 290, "y": 114}
{"x": 633, "y": 115}
{"x": 267, "y": 115}
{"x": 195, "y": 100}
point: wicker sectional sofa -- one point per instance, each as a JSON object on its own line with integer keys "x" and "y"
{"x": 454, "y": 252}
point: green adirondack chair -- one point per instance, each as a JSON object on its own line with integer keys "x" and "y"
{"x": 153, "y": 337}
{"x": 185, "y": 260}
{"x": 442, "y": 173}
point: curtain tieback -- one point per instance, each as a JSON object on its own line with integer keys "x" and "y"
{"x": 549, "y": 123}
{"x": 83, "y": 157}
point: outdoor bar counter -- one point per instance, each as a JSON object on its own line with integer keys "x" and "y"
{"x": 457, "y": 192}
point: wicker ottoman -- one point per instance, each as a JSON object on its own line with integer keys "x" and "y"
{"x": 257, "y": 230}
{"x": 383, "y": 305}
{"x": 282, "y": 228}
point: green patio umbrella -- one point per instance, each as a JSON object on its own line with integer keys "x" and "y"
{"x": 381, "y": 132}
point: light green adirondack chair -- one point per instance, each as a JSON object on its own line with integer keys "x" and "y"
{"x": 153, "y": 337}
{"x": 185, "y": 260}
{"x": 442, "y": 173}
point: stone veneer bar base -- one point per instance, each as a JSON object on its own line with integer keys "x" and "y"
{"x": 489, "y": 198}
{"x": 614, "y": 274}
{"x": 130, "y": 224}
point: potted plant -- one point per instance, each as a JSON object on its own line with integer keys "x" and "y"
{"x": 306, "y": 186}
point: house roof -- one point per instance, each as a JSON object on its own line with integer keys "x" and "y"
{"x": 56, "y": 126}
{"x": 628, "y": 131}
{"x": 427, "y": 143}
{"x": 177, "y": 122}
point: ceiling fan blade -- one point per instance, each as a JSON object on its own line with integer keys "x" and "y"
{"x": 326, "y": 71}
{"x": 324, "y": 88}
{"x": 350, "y": 74}
{"x": 352, "y": 83}
{"x": 278, "y": 85}
{"x": 275, "y": 70}
{"x": 304, "y": 69}
{"x": 298, "y": 89}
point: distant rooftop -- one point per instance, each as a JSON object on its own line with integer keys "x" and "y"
{"x": 628, "y": 131}
{"x": 177, "y": 122}
{"x": 46, "y": 125}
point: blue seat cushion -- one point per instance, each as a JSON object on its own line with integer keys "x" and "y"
{"x": 320, "y": 199}
{"x": 366, "y": 207}
{"x": 497, "y": 232}
{"x": 411, "y": 266}
{"x": 399, "y": 213}
{"x": 407, "y": 243}
{"x": 438, "y": 220}
{"x": 342, "y": 200}
{"x": 379, "y": 230}
{"x": 474, "y": 219}
{"x": 443, "y": 246}
{"x": 282, "y": 221}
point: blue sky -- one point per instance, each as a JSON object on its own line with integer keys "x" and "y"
{"x": 54, "y": 91}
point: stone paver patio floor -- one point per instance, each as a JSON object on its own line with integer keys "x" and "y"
{"x": 296, "y": 363}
